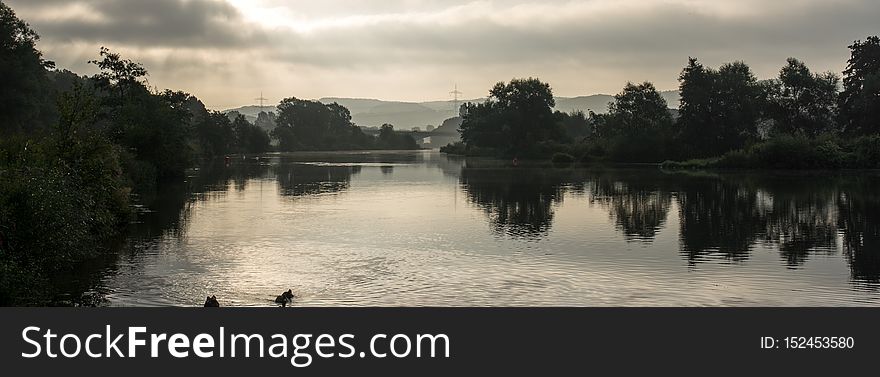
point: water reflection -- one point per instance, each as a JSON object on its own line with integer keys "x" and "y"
{"x": 518, "y": 203}
{"x": 859, "y": 222}
{"x": 306, "y": 179}
{"x": 720, "y": 216}
{"x": 717, "y": 218}
{"x": 375, "y": 215}
{"x": 635, "y": 201}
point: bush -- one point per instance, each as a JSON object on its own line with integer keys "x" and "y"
{"x": 796, "y": 152}
{"x": 562, "y": 159}
{"x": 866, "y": 152}
{"x": 61, "y": 199}
{"x": 458, "y": 148}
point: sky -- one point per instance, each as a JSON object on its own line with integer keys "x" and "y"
{"x": 228, "y": 52}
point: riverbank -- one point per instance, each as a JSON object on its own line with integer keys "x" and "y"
{"x": 778, "y": 153}
{"x": 795, "y": 153}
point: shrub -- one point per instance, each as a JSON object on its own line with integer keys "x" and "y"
{"x": 562, "y": 159}
{"x": 61, "y": 199}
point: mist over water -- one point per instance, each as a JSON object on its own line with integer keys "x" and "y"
{"x": 424, "y": 229}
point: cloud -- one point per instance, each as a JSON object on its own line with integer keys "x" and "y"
{"x": 226, "y": 51}
{"x": 154, "y": 23}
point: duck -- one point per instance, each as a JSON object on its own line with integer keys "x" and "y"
{"x": 285, "y": 298}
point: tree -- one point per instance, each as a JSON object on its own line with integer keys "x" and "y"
{"x": 24, "y": 97}
{"x": 154, "y": 129}
{"x": 801, "y": 102}
{"x": 638, "y": 124}
{"x": 576, "y": 125}
{"x": 860, "y": 100}
{"x": 311, "y": 125}
{"x": 248, "y": 138}
{"x": 121, "y": 74}
{"x": 390, "y": 139}
{"x": 696, "y": 110}
{"x": 266, "y": 121}
{"x": 215, "y": 134}
{"x": 738, "y": 105}
{"x": 482, "y": 126}
{"x": 639, "y": 109}
{"x": 720, "y": 109}
{"x": 515, "y": 117}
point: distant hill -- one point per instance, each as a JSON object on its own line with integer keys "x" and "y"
{"x": 599, "y": 102}
{"x": 367, "y": 112}
{"x": 251, "y": 112}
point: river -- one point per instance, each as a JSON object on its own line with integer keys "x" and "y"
{"x": 423, "y": 229}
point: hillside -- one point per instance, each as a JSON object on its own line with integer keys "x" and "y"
{"x": 367, "y": 112}
{"x": 599, "y": 102}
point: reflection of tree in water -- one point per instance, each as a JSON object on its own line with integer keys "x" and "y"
{"x": 717, "y": 217}
{"x": 165, "y": 212}
{"x": 637, "y": 205}
{"x": 310, "y": 179}
{"x": 170, "y": 203}
{"x": 859, "y": 222}
{"x": 799, "y": 217}
{"x": 518, "y": 202}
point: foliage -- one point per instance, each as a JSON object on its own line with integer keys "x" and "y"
{"x": 801, "y": 102}
{"x": 68, "y": 185}
{"x": 515, "y": 116}
{"x": 638, "y": 126}
{"x": 25, "y": 101}
{"x": 389, "y": 139}
{"x": 795, "y": 152}
{"x": 311, "y": 125}
{"x": 576, "y": 126}
{"x": 248, "y": 138}
{"x": 720, "y": 109}
{"x": 860, "y": 99}
{"x": 561, "y": 158}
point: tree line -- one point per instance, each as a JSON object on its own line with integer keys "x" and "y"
{"x": 312, "y": 125}
{"x": 727, "y": 118}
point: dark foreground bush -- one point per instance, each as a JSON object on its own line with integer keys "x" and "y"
{"x": 562, "y": 159}
{"x": 796, "y": 152}
{"x": 61, "y": 199}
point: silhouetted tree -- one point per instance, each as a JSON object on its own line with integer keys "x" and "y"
{"x": 248, "y": 137}
{"x": 576, "y": 125}
{"x": 516, "y": 116}
{"x": 860, "y": 100}
{"x": 266, "y": 121}
{"x": 311, "y": 125}
{"x": 638, "y": 109}
{"x": 638, "y": 126}
{"x": 390, "y": 139}
{"x": 23, "y": 92}
{"x": 123, "y": 75}
{"x": 719, "y": 109}
{"x": 215, "y": 134}
{"x": 153, "y": 128}
{"x": 801, "y": 102}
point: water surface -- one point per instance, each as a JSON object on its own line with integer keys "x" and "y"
{"x": 423, "y": 229}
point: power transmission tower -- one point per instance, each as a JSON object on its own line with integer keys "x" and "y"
{"x": 261, "y": 99}
{"x": 456, "y": 107}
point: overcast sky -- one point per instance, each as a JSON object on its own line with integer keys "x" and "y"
{"x": 227, "y": 51}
